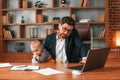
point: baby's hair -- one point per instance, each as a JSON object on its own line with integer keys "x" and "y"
{"x": 36, "y": 43}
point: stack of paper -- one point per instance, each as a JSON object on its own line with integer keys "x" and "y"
{"x": 25, "y": 68}
{"x": 5, "y": 65}
{"x": 85, "y": 20}
{"x": 48, "y": 71}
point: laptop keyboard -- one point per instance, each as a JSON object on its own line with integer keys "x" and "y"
{"x": 76, "y": 67}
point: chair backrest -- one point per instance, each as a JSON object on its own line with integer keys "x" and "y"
{"x": 85, "y": 35}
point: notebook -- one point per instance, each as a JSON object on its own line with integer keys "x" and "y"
{"x": 96, "y": 58}
{"x": 25, "y": 68}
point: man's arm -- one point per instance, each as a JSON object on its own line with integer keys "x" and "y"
{"x": 81, "y": 46}
{"x": 45, "y": 56}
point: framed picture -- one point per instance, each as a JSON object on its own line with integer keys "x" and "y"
{"x": 33, "y": 32}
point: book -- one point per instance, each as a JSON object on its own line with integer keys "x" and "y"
{"x": 101, "y": 18}
{"x": 39, "y": 18}
{"x": 25, "y": 68}
{"x": 24, "y": 3}
{"x": 85, "y": 3}
{"x": 7, "y": 17}
{"x": 48, "y": 31}
{"x": 81, "y": 3}
{"x": 85, "y": 20}
{"x": 7, "y": 33}
{"x": 102, "y": 34}
{"x": 73, "y": 16}
{"x": 4, "y": 33}
{"x": 4, "y": 19}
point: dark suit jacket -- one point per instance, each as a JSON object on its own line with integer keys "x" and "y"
{"x": 74, "y": 47}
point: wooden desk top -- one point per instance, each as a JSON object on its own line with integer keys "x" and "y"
{"x": 110, "y": 71}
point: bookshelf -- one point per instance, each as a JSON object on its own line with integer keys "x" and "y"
{"x": 42, "y": 19}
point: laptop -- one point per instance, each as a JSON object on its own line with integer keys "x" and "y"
{"x": 96, "y": 58}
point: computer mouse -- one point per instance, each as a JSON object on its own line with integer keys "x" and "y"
{"x": 76, "y": 72}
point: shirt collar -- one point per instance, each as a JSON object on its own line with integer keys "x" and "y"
{"x": 57, "y": 38}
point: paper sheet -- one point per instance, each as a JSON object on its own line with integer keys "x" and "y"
{"x": 48, "y": 71}
{"x": 5, "y": 65}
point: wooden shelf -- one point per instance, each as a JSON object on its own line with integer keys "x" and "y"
{"x": 53, "y": 8}
{"x": 44, "y": 23}
{"x": 89, "y": 7}
{"x": 90, "y": 22}
{"x": 25, "y": 39}
{"x": 22, "y": 30}
{"x": 97, "y": 38}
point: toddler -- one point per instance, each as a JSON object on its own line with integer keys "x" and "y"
{"x": 39, "y": 54}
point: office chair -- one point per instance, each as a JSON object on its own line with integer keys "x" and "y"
{"x": 85, "y": 34}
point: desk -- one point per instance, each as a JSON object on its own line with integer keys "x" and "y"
{"x": 110, "y": 71}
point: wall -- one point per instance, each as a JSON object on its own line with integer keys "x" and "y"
{"x": 114, "y": 21}
{"x": 0, "y": 28}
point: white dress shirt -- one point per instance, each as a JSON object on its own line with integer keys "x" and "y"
{"x": 60, "y": 50}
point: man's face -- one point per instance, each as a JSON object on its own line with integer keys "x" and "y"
{"x": 64, "y": 30}
{"x": 36, "y": 50}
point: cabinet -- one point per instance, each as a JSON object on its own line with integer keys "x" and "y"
{"x": 38, "y": 21}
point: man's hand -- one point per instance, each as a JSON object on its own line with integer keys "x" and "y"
{"x": 49, "y": 57}
{"x": 83, "y": 60}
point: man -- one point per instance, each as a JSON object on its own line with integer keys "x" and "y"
{"x": 65, "y": 45}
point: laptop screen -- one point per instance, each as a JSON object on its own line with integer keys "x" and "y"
{"x": 96, "y": 58}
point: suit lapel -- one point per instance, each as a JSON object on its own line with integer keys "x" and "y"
{"x": 54, "y": 45}
{"x": 67, "y": 47}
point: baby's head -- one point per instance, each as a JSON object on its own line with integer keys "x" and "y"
{"x": 36, "y": 47}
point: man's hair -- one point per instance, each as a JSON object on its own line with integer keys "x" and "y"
{"x": 68, "y": 20}
{"x": 36, "y": 43}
